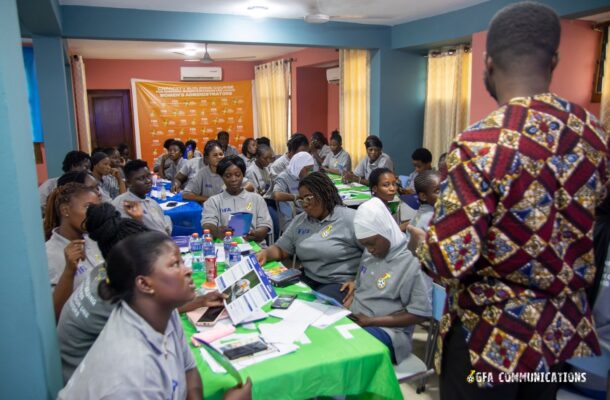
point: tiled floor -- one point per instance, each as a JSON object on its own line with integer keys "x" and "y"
{"x": 408, "y": 389}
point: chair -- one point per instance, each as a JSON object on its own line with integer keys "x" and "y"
{"x": 413, "y": 368}
{"x": 281, "y": 207}
{"x": 599, "y": 366}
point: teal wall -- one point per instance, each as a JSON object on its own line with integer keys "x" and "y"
{"x": 30, "y": 367}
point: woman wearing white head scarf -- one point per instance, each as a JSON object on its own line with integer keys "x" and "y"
{"x": 286, "y": 185}
{"x": 392, "y": 293}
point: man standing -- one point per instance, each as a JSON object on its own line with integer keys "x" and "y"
{"x": 511, "y": 238}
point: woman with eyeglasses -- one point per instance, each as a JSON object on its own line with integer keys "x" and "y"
{"x": 134, "y": 200}
{"x": 322, "y": 237}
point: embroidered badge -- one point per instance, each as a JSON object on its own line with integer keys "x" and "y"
{"x": 382, "y": 282}
{"x": 326, "y": 231}
{"x": 249, "y": 206}
{"x": 363, "y": 269}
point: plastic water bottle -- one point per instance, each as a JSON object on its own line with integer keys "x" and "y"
{"x": 208, "y": 247}
{"x": 195, "y": 247}
{"x": 154, "y": 180}
{"x": 163, "y": 192}
{"x": 226, "y": 243}
{"x": 207, "y": 234}
{"x": 340, "y": 168}
{"x": 234, "y": 254}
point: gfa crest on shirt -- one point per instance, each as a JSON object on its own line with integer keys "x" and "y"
{"x": 249, "y": 206}
{"x": 326, "y": 231}
{"x": 382, "y": 282}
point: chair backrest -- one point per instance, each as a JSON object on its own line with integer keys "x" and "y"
{"x": 404, "y": 180}
{"x": 439, "y": 295}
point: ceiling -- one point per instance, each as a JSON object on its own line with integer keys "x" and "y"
{"x": 135, "y": 50}
{"x": 597, "y": 18}
{"x": 392, "y": 11}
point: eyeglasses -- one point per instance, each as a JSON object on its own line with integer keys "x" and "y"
{"x": 301, "y": 201}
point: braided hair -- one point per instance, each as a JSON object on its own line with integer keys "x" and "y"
{"x": 323, "y": 188}
{"x": 424, "y": 180}
{"x": 61, "y": 195}
{"x": 106, "y": 226}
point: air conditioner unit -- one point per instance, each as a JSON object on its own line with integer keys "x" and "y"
{"x": 200, "y": 73}
{"x": 333, "y": 75}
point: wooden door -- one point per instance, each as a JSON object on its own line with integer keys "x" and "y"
{"x": 110, "y": 119}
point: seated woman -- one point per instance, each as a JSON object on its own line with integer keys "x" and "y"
{"x": 259, "y": 175}
{"x": 187, "y": 172}
{"x": 111, "y": 182}
{"x": 139, "y": 180}
{"x": 218, "y": 208}
{"x": 392, "y": 293}
{"x": 73, "y": 161}
{"x": 70, "y": 251}
{"x": 338, "y": 161}
{"x": 318, "y": 147}
{"x": 296, "y": 144}
{"x": 375, "y": 158}
{"x": 174, "y": 155}
{"x": 207, "y": 182}
{"x": 384, "y": 185}
{"x": 248, "y": 152}
{"x": 86, "y": 313}
{"x": 142, "y": 350}
{"x": 322, "y": 238}
{"x": 286, "y": 185}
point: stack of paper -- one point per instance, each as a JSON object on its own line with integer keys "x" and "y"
{"x": 317, "y": 314}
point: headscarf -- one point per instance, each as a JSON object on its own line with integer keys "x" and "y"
{"x": 373, "y": 218}
{"x": 298, "y": 162}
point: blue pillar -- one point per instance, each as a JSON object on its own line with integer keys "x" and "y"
{"x": 30, "y": 366}
{"x": 398, "y": 94}
{"x": 55, "y": 100}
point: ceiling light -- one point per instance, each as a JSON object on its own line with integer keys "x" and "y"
{"x": 190, "y": 52}
{"x": 192, "y": 60}
{"x": 258, "y": 11}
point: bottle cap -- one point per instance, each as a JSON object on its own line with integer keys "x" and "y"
{"x": 195, "y": 235}
{"x": 233, "y": 243}
{"x": 206, "y": 231}
{"x": 228, "y": 233}
{"x": 208, "y": 239}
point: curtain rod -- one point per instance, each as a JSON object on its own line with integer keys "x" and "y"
{"x": 450, "y": 51}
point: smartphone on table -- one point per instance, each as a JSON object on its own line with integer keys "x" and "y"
{"x": 207, "y": 316}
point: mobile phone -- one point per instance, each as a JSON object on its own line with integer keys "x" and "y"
{"x": 172, "y": 204}
{"x": 246, "y": 350}
{"x": 206, "y": 316}
{"x": 286, "y": 278}
{"x": 283, "y": 302}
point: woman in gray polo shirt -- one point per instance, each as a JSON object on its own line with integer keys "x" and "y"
{"x": 392, "y": 293}
{"x": 142, "y": 351}
{"x": 375, "y": 158}
{"x": 322, "y": 238}
{"x": 218, "y": 209}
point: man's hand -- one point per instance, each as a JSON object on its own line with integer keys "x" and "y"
{"x": 243, "y": 392}
{"x": 133, "y": 209}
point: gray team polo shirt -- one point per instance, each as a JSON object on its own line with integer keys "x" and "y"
{"x": 172, "y": 170}
{"x": 110, "y": 185}
{"x": 231, "y": 151}
{"x": 390, "y": 285}
{"x": 81, "y": 321}
{"x": 279, "y": 165}
{"x": 153, "y": 217}
{"x": 341, "y": 159}
{"x": 205, "y": 183}
{"x": 422, "y": 218}
{"x": 364, "y": 168}
{"x": 260, "y": 178}
{"x": 130, "y": 360}
{"x": 57, "y": 261}
{"x": 247, "y": 161}
{"x": 218, "y": 208}
{"x": 328, "y": 249}
{"x": 191, "y": 167}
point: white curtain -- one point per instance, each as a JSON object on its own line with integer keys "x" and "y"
{"x": 354, "y": 101}
{"x": 272, "y": 86}
{"x": 447, "y": 98}
{"x": 81, "y": 106}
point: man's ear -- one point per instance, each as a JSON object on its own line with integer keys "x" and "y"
{"x": 554, "y": 61}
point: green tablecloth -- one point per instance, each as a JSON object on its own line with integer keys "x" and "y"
{"x": 329, "y": 365}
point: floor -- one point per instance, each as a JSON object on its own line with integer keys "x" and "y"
{"x": 408, "y": 389}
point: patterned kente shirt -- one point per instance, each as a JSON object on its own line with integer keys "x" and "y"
{"x": 512, "y": 234}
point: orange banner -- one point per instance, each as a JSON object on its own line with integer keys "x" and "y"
{"x": 190, "y": 110}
